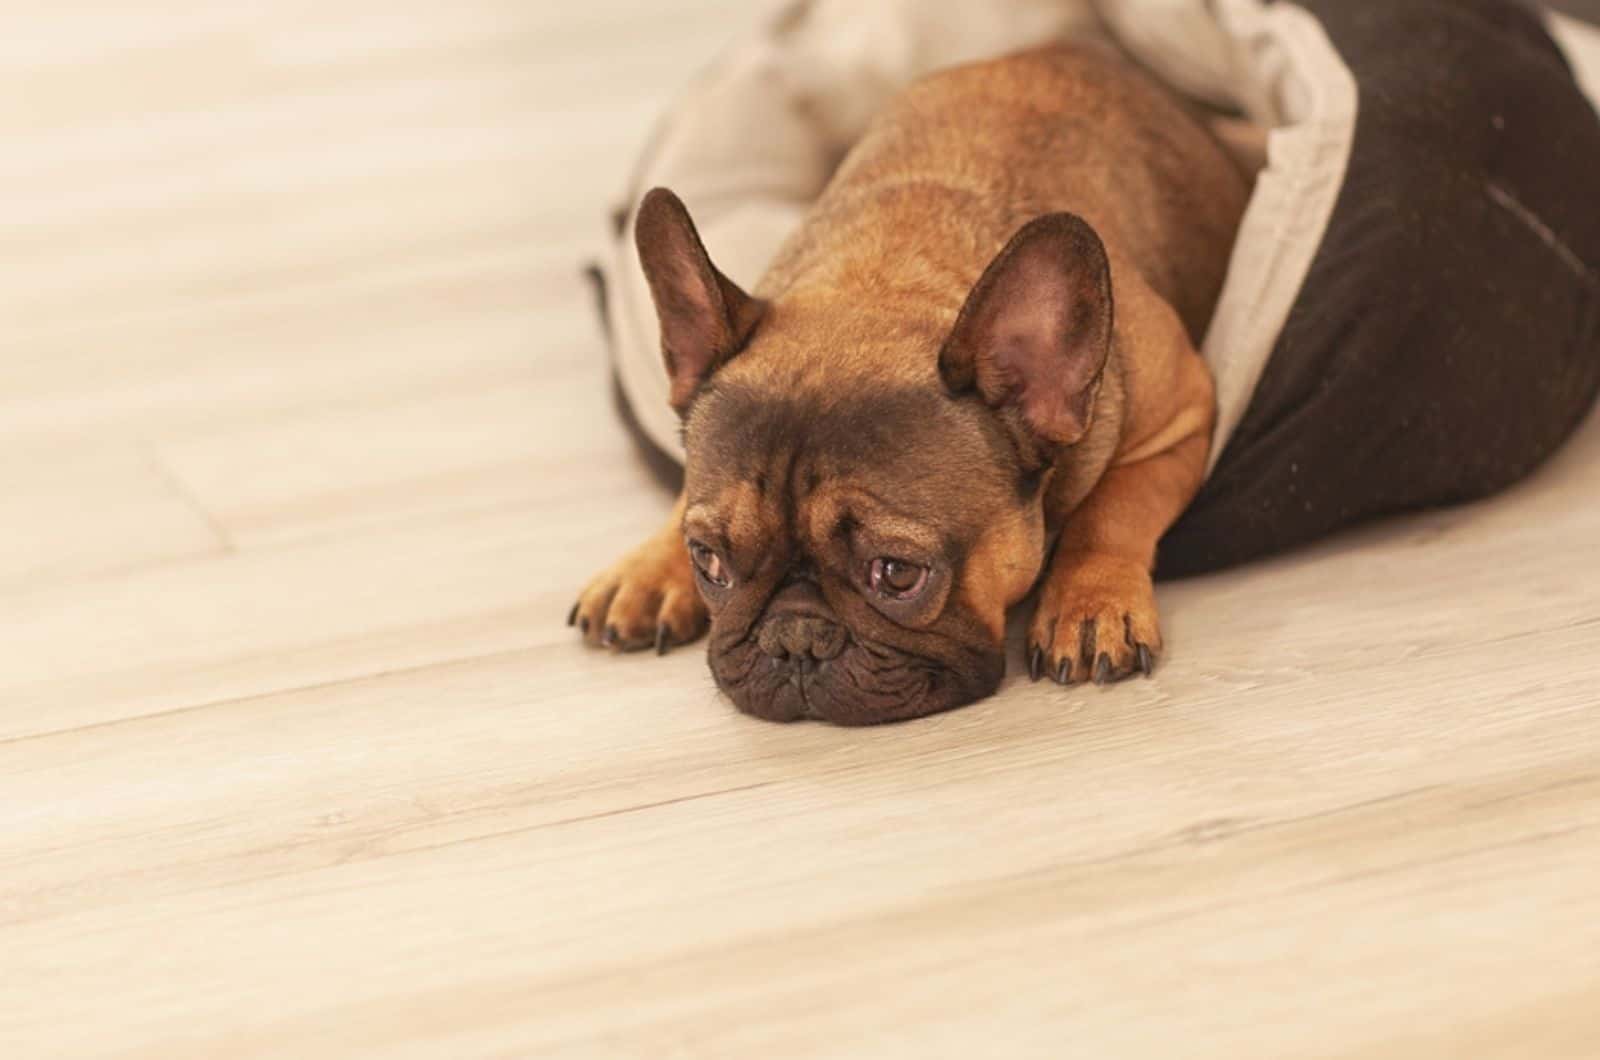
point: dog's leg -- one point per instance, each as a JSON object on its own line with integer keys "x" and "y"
{"x": 1096, "y": 618}
{"x": 648, "y": 599}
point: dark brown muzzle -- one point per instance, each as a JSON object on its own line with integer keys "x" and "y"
{"x": 803, "y": 662}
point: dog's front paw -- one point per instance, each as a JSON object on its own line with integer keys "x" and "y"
{"x": 647, "y": 600}
{"x": 1096, "y": 621}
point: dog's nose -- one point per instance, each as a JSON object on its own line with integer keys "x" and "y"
{"x": 803, "y": 639}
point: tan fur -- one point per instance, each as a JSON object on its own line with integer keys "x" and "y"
{"x": 1004, "y": 566}
{"x": 737, "y": 513}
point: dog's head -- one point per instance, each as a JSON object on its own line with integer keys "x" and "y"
{"x": 860, "y": 523}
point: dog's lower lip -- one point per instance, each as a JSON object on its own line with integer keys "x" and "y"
{"x": 797, "y": 678}
{"x": 808, "y": 710}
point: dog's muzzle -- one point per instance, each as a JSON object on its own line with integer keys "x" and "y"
{"x": 799, "y": 635}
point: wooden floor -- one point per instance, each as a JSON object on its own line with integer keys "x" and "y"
{"x": 306, "y": 449}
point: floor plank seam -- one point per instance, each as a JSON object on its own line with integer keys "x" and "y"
{"x": 173, "y": 483}
{"x": 314, "y": 686}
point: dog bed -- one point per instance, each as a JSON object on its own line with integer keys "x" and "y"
{"x": 1412, "y": 310}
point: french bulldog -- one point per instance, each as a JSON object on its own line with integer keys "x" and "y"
{"x": 971, "y": 371}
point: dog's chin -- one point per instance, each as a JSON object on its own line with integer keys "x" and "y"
{"x": 865, "y": 684}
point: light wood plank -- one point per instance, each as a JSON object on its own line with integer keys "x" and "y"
{"x": 141, "y": 515}
{"x": 186, "y": 634}
{"x": 1258, "y": 834}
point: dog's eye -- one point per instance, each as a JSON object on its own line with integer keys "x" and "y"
{"x": 897, "y": 579}
{"x": 709, "y": 564}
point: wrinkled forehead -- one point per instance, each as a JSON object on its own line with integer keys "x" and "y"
{"x": 911, "y": 460}
{"x": 745, "y": 430}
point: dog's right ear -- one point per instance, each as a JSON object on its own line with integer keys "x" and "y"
{"x": 705, "y": 317}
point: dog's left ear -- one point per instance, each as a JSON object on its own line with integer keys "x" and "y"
{"x": 1035, "y": 332}
{"x": 705, "y": 317}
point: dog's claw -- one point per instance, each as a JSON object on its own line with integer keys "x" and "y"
{"x": 1146, "y": 662}
{"x": 583, "y": 625}
{"x": 1064, "y": 672}
{"x": 663, "y": 639}
{"x": 1102, "y": 669}
{"x": 1036, "y": 663}
{"x": 572, "y": 616}
{"x": 609, "y": 637}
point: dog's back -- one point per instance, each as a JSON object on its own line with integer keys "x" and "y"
{"x": 961, "y": 159}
